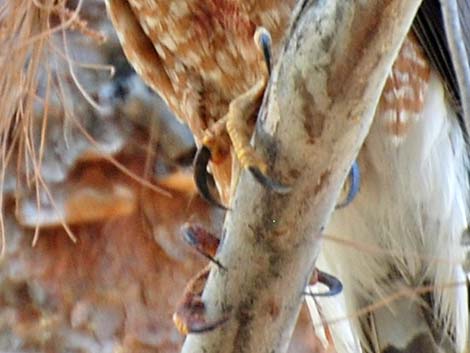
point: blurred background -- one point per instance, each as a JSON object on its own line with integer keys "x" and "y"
{"x": 96, "y": 183}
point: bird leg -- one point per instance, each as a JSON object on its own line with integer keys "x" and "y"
{"x": 240, "y": 135}
{"x": 190, "y": 314}
{"x": 239, "y": 131}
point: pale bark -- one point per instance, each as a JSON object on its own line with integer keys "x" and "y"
{"x": 321, "y": 103}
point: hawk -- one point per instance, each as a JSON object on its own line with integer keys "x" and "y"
{"x": 201, "y": 56}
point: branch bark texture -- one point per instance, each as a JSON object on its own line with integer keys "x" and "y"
{"x": 318, "y": 110}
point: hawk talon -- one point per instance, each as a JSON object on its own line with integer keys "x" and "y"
{"x": 232, "y": 122}
{"x": 204, "y": 242}
{"x": 190, "y": 315}
{"x": 354, "y": 185}
{"x": 264, "y": 180}
{"x": 334, "y": 285}
{"x": 187, "y": 323}
{"x": 264, "y": 43}
{"x": 201, "y": 160}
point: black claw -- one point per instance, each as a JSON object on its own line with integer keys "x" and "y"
{"x": 204, "y": 242}
{"x": 354, "y": 185}
{"x": 201, "y": 160}
{"x": 203, "y": 327}
{"x": 334, "y": 285}
{"x": 264, "y": 41}
{"x": 267, "y": 182}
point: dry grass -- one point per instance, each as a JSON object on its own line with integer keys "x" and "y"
{"x": 38, "y": 80}
{"x": 27, "y": 28}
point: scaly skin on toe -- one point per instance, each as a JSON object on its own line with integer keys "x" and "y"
{"x": 236, "y": 123}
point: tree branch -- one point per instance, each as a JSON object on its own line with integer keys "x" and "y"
{"x": 319, "y": 108}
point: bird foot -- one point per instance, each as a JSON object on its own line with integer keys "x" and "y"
{"x": 190, "y": 314}
{"x": 235, "y": 123}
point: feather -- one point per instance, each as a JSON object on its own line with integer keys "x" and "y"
{"x": 412, "y": 206}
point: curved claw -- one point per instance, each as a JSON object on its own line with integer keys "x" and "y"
{"x": 354, "y": 185}
{"x": 202, "y": 326}
{"x": 264, "y": 42}
{"x": 201, "y": 160}
{"x": 334, "y": 285}
{"x": 186, "y": 324}
{"x": 203, "y": 241}
{"x": 190, "y": 315}
{"x": 267, "y": 182}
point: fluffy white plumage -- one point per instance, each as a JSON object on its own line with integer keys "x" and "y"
{"x": 408, "y": 218}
